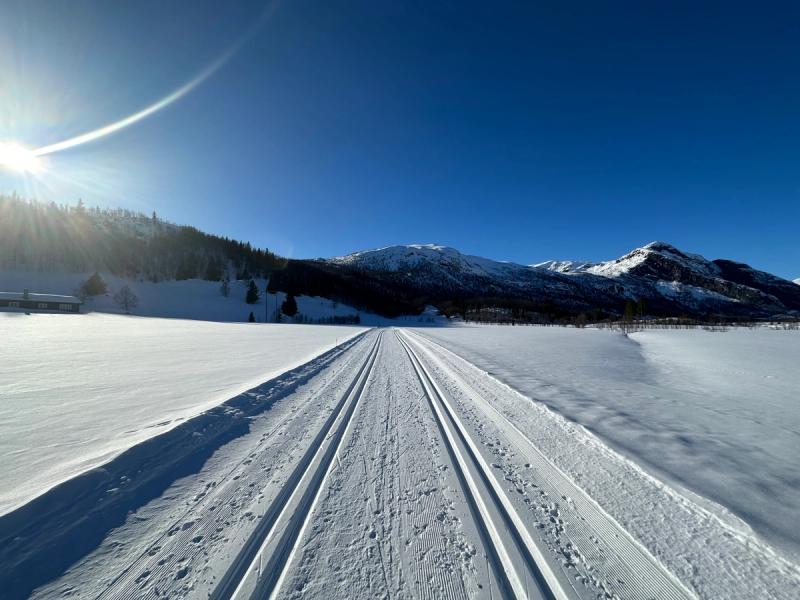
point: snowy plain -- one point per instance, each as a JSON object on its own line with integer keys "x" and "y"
{"x": 76, "y": 390}
{"x": 713, "y": 413}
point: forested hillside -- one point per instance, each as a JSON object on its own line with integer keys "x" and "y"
{"x": 50, "y": 237}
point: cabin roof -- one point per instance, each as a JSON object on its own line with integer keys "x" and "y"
{"x": 38, "y": 297}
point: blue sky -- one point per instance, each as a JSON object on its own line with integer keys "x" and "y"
{"x": 518, "y": 131}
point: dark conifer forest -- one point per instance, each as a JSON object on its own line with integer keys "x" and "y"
{"x": 50, "y": 237}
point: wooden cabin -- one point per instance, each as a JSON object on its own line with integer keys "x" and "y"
{"x": 31, "y": 302}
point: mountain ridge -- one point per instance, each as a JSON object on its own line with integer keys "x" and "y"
{"x": 670, "y": 281}
{"x": 658, "y": 278}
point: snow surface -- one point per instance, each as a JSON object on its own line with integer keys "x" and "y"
{"x": 329, "y": 493}
{"x": 77, "y": 390}
{"x": 797, "y": 281}
{"x": 713, "y": 412}
{"x": 37, "y": 297}
{"x": 391, "y": 466}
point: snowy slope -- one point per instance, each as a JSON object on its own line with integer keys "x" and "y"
{"x": 78, "y": 389}
{"x": 713, "y": 412}
{"x": 797, "y": 281}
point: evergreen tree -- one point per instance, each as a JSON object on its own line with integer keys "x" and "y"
{"x": 94, "y": 286}
{"x": 289, "y": 306}
{"x": 251, "y": 318}
{"x": 252, "y": 293}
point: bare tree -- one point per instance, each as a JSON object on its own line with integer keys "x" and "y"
{"x": 126, "y": 299}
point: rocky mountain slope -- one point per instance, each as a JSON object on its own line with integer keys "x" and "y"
{"x": 662, "y": 279}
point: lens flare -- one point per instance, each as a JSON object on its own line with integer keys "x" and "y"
{"x": 167, "y": 100}
{"x": 14, "y": 157}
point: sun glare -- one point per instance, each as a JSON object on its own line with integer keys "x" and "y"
{"x": 14, "y": 157}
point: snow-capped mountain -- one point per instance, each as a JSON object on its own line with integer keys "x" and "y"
{"x": 564, "y": 266}
{"x": 413, "y": 256}
{"x": 797, "y": 281}
{"x": 668, "y": 280}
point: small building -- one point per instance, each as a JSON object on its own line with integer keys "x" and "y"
{"x": 27, "y": 302}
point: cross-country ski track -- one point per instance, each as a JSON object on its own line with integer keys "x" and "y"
{"x": 384, "y": 468}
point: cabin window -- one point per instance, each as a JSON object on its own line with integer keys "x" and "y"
{"x": 65, "y": 307}
{"x": 41, "y": 305}
{"x": 13, "y": 304}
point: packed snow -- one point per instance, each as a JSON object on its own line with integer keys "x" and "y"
{"x": 712, "y": 412}
{"x": 77, "y": 390}
{"x": 386, "y": 466}
{"x": 348, "y": 481}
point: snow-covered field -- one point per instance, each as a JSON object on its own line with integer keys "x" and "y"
{"x": 76, "y": 390}
{"x": 716, "y": 413}
{"x": 386, "y": 467}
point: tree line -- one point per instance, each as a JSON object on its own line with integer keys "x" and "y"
{"x": 49, "y": 237}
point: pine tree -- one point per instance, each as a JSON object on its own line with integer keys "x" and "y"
{"x": 94, "y": 286}
{"x": 289, "y": 306}
{"x": 251, "y": 318}
{"x": 252, "y": 293}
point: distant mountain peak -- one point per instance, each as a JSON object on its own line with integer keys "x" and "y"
{"x": 564, "y": 266}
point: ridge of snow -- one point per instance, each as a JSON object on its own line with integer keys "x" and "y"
{"x": 403, "y": 257}
{"x": 564, "y": 266}
{"x": 797, "y": 281}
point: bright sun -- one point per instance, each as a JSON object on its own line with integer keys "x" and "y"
{"x": 14, "y": 157}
